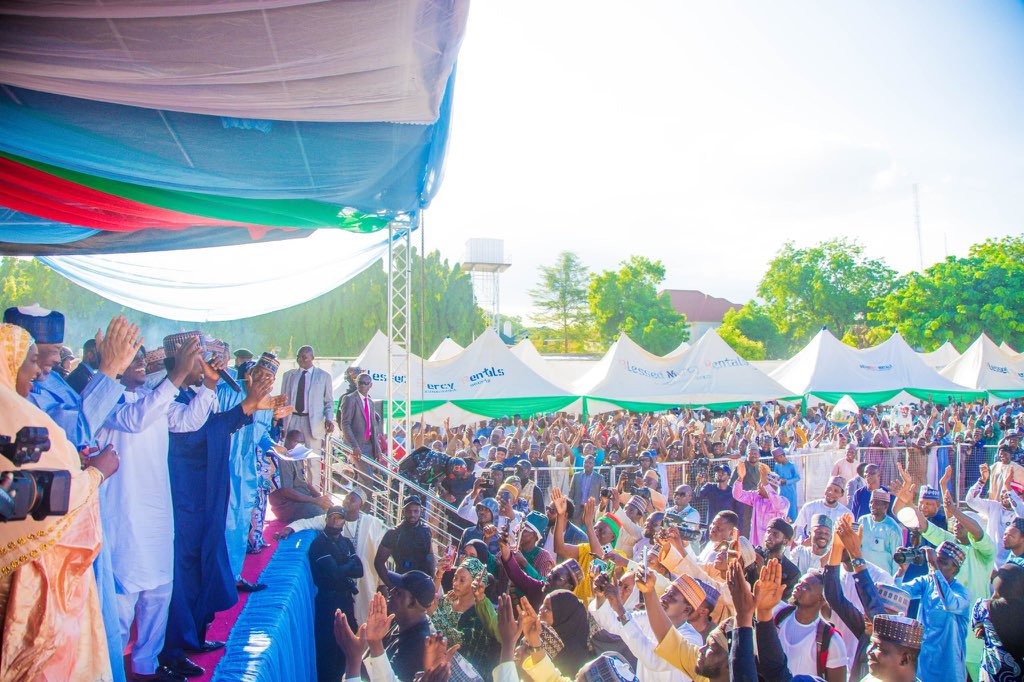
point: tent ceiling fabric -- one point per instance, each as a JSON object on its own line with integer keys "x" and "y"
{"x": 294, "y": 60}
{"x": 370, "y": 167}
{"x": 195, "y": 285}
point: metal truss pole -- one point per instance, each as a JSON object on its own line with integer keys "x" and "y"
{"x": 399, "y": 333}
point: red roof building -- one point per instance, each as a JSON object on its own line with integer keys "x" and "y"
{"x": 702, "y": 312}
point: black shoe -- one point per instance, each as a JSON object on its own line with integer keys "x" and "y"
{"x": 244, "y": 585}
{"x": 162, "y": 674}
{"x": 208, "y": 646}
{"x": 185, "y": 667}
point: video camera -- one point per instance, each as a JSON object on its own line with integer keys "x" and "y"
{"x": 688, "y": 530}
{"x": 424, "y": 465}
{"x": 914, "y": 555}
{"x": 34, "y": 492}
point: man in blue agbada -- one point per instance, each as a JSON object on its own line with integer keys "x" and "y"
{"x": 944, "y": 612}
{"x": 199, "y": 467}
{"x": 246, "y": 445}
{"x": 81, "y": 416}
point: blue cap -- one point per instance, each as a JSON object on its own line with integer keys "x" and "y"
{"x": 45, "y": 326}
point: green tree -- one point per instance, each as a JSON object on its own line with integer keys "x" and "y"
{"x": 753, "y": 334}
{"x": 959, "y": 298}
{"x": 829, "y": 284}
{"x": 561, "y": 297}
{"x": 627, "y": 300}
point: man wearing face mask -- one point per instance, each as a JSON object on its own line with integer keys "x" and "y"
{"x": 335, "y": 568}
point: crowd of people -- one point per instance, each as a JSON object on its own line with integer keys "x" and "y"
{"x": 550, "y": 566}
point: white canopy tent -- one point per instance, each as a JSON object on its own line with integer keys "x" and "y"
{"x": 678, "y": 350}
{"x": 1005, "y": 347}
{"x": 709, "y": 374}
{"x": 829, "y": 369}
{"x": 986, "y": 367}
{"x": 445, "y": 350}
{"x": 374, "y": 361}
{"x": 486, "y": 380}
{"x": 941, "y": 356}
{"x": 562, "y": 373}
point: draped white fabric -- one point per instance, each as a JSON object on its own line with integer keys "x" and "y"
{"x": 227, "y": 282}
{"x": 298, "y": 60}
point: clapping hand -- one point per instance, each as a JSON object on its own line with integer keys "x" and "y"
{"x": 560, "y": 501}
{"x": 118, "y": 347}
{"x": 437, "y": 655}
{"x": 742, "y": 597}
{"x": 530, "y": 622}
{"x": 768, "y": 590}
{"x": 352, "y": 643}
{"x": 378, "y": 623}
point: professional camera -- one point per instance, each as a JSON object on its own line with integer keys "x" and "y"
{"x": 36, "y": 492}
{"x": 28, "y": 446}
{"x": 688, "y": 530}
{"x": 424, "y": 465}
{"x": 914, "y": 555}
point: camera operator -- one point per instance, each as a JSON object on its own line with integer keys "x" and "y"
{"x": 52, "y": 622}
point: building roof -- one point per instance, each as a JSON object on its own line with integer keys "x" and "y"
{"x": 698, "y": 306}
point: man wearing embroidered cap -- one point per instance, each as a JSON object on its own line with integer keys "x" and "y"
{"x": 198, "y": 460}
{"x": 829, "y": 505}
{"x": 882, "y": 536}
{"x": 978, "y": 552}
{"x": 895, "y": 647}
{"x": 681, "y": 603}
{"x": 765, "y": 502}
{"x": 944, "y": 612}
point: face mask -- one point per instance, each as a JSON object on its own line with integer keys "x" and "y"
{"x": 333, "y": 532}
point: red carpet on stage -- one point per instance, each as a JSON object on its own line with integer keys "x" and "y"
{"x": 225, "y": 620}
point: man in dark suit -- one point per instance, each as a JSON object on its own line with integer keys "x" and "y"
{"x": 584, "y": 485}
{"x": 80, "y": 376}
{"x": 359, "y": 425}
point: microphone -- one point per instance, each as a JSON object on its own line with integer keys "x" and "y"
{"x": 229, "y": 380}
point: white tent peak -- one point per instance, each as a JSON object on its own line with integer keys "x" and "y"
{"x": 984, "y": 366}
{"x": 941, "y": 356}
{"x": 448, "y": 348}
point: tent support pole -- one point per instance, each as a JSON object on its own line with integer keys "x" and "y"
{"x": 399, "y": 315}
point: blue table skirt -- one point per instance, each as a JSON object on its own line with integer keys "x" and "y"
{"x": 273, "y": 637}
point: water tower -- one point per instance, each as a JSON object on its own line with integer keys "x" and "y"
{"x": 485, "y": 259}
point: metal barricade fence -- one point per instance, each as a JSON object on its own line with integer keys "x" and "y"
{"x": 385, "y": 491}
{"x": 966, "y": 466}
{"x": 814, "y": 467}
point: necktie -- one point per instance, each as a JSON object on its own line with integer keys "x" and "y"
{"x": 366, "y": 413}
{"x": 300, "y": 394}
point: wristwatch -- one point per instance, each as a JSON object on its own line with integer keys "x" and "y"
{"x": 858, "y": 562}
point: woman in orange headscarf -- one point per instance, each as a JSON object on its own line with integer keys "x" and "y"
{"x": 52, "y": 625}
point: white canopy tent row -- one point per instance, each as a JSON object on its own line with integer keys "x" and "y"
{"x": 1005, "y": 347}
{"x": 828, "y": 369}
{"x": 708, "y": 374}
{"x": 987, "y": 367}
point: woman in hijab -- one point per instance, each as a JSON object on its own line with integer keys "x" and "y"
{"x": 51, "y": 621}
{"x": 996, "y": 622}
{"x": 563, "y": 615}
{"x": 466, "y": 617}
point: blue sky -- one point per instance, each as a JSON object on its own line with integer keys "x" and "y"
{"x": 706, "y": 134}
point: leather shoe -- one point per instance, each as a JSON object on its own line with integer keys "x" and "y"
{"x": 162, "y": 674}
{"x": 244, "y": 585}
{"x": 208, "y": 646}
{"x": 185, "y": 667}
